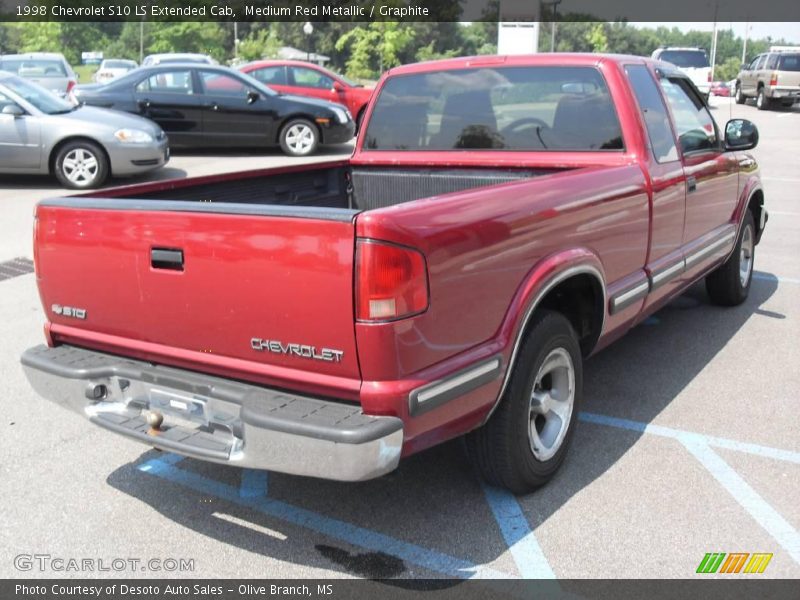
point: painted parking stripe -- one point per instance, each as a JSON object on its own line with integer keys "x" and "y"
{"x": 253, "y": 483}
{"x": 680, "y": 434}
{"x": 758, "y": 508}
{"x": 522, "y": 542}
{"x": 333, "y": 528}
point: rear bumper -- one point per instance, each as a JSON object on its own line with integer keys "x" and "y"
{"x": 785, "y": 93}
{"x": 216, "y": 419}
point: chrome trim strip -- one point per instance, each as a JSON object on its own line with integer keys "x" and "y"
{"x": 630, "y": 296}
{"x": 661, "y": 277}
{"x": 570, "y": 272}
{"x": 437, "y": 393}
{"x": 700, "y": 254}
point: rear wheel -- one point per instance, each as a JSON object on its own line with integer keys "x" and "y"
{"x": 524, "y": 443}
{"x": 762, "y": 102}
{"x": 729, "y": 285}
{"x": 81, "y": 165}
{"x": 739, "y": 96}
{"x": 299, "y": 137}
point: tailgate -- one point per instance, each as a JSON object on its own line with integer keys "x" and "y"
{"x": 269, "y": 295}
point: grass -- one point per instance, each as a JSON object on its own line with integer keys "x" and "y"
{"x": 85, "y": 72}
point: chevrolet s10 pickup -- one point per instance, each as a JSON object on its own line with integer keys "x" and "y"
{"x": 500, "y": 220}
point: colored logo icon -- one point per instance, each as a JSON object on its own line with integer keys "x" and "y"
{"x": 735, "y": 562}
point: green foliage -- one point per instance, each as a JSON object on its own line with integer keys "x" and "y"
{"x": 727, "y": 70}
{"x": 188, "y": 36}
{"x": 262, "y": 43}
{"x": 597, "y": 38}
{"x": 375, "y": 48}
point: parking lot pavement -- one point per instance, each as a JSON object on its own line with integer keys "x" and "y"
{"x": 688, "y": 443}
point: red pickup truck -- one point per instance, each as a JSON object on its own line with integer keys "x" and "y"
{"x": 501, "y": 219}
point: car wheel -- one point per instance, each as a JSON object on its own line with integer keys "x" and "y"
{"x": 762, "y": 102}
{"x": 739, "y": 96}
{"x": 299, "y": 137}
{"x": 525, "y": 441}
{"x": 81, "y": 165}
{"x": 729, "y": 284}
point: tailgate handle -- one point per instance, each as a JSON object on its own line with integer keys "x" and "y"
{"x": 166, "y": 258}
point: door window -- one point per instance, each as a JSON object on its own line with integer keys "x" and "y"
{"x": 168, "y": 82}
{"x": 772, "y": 61}
{"x": 654, "y": 113}
{"x": 752, "y": 65}
{"x": 694, "y": 124}
{"x": 761, "y": 61}
{"x": 310, "y": 78}
{"x": 270, "y": 75}
{"x": 222, "y": 84}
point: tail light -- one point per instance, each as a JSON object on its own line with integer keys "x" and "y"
{"x": 391, "y": 281}
{"x": 709, "y": 77}
{"x": 70, "y": 85}
{"x": 773, "y": 80}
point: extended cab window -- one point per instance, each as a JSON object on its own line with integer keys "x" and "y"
{"x": 654, "y": 113}
{"x": 502, "y": 108}
{"x": 695, "y": 127}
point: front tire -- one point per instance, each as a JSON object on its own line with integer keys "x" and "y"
{"x": 739, "y": 96}
{"x": 299, "y": 137}
{"x": 524, "y": 443}
{"x": 729, "y": 284}
{"x": 81, "y": 165}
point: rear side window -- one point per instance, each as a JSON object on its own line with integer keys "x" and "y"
{"x": 772, "y": 61}
{"x": 789, "y": 62}
{"x": 686, "y": 58}
{"x": 654, "y": 113}
{"x": 504, "y": 108}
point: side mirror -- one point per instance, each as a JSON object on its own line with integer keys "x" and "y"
{"x": 338, "y": 86}
{"x": 740, "y": 134}
{"x": 252, "y": 96}
{"x": 15, "y": 110}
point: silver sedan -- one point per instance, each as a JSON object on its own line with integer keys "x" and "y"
{"x": 82, "y": 146}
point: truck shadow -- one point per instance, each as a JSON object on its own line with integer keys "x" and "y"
{"x": 434, "y": 500}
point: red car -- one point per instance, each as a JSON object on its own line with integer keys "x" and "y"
{"x": 307, "y": 79}
{"x": 501, "y": 220}
{"x": 720, "y": 88}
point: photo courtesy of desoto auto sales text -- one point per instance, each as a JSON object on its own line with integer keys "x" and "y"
{"x": 399, "y": 299}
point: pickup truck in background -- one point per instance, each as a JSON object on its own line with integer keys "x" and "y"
{"x": 500, "y": 220}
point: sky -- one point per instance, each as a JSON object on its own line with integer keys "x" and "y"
{"x": 788, "y": 31}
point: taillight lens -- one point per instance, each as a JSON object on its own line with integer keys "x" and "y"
{"x": 709, "y": 78}
{"x": 70, "y": 85}
{"x": 391, "y": 281}
{"x": 773, "y": 79}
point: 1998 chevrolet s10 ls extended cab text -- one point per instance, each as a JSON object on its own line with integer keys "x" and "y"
{"x": 501, "y": 219}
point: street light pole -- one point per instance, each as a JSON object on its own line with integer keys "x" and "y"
{"x": 555, "y": 4}
{"x": 308, "y": 29}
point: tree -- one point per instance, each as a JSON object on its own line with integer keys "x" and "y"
{"x": 597, "y": 38}
{"x": 375, "y": 47}
{"x": 262, "y": 43}
{"x": 188, "y": 36}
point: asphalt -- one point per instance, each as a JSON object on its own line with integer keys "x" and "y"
{"x": 689, "y": 443}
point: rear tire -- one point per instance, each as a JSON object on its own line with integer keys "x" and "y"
{"x": 81, "y": 165}
{"x": 762, "y": 102}
{"x": 729, "y": 285}
{"x": 525, "y": 441}
{"x": 299, "y": 137}
{"x": 739, "y": 96}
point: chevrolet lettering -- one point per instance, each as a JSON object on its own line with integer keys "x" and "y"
{"x": 301, "y": 350}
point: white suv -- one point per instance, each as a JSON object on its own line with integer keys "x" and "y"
{"x": 692, "y": 61}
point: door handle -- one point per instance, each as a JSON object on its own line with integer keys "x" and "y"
{"x": 166, "y": 258}
{"x": 144, "y": 103}
{"x": 691, "y": 183}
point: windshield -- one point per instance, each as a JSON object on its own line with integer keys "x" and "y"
{"x": 118, "y": 64}
{"x": 789, "y": 62}
{"x": 696, "y": 59}
{"x": 45, "y": 101}
{"x": 34, "y": 67}
{"x": 506, "y": 108}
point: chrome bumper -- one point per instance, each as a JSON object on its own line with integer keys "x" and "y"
{"x": 216, "y": 419}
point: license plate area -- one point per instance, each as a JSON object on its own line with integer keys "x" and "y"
{"x": 184, "y": 406}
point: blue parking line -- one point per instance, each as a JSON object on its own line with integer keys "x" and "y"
{"x": 333, "y": 528}
{"x": 679, "y": 434}
{"x": 253, "y": 483}
{"x": 758, "y": 508}
{"x": 522, "y": 542}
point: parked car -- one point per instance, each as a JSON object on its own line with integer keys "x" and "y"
{"x": 112, "y": 68}
{"x": 152, "y": 60}
{"x": 448, "y": 279}
{"x": 212, "y": 106}
{"x": 81, "y": 146}
{"x": 771, "y": 78}
{"x": 48, "y": 69}
{"x": 308, "y": 79}
{"x": 720, "y": 88}
{"x": 692, "y": 61}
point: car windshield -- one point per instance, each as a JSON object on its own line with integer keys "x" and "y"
{"x": 33, "y": 67}
{"x": 504, "y": 108}
{"x": 118, "y": 64}
{"x": 44, "y": 100}
{"x": 789, "y": 62}
{"x": 696, "y": 59}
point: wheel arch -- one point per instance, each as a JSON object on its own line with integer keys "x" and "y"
{"x": 292, "y": 117}
{"x": 51, "y": 159}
